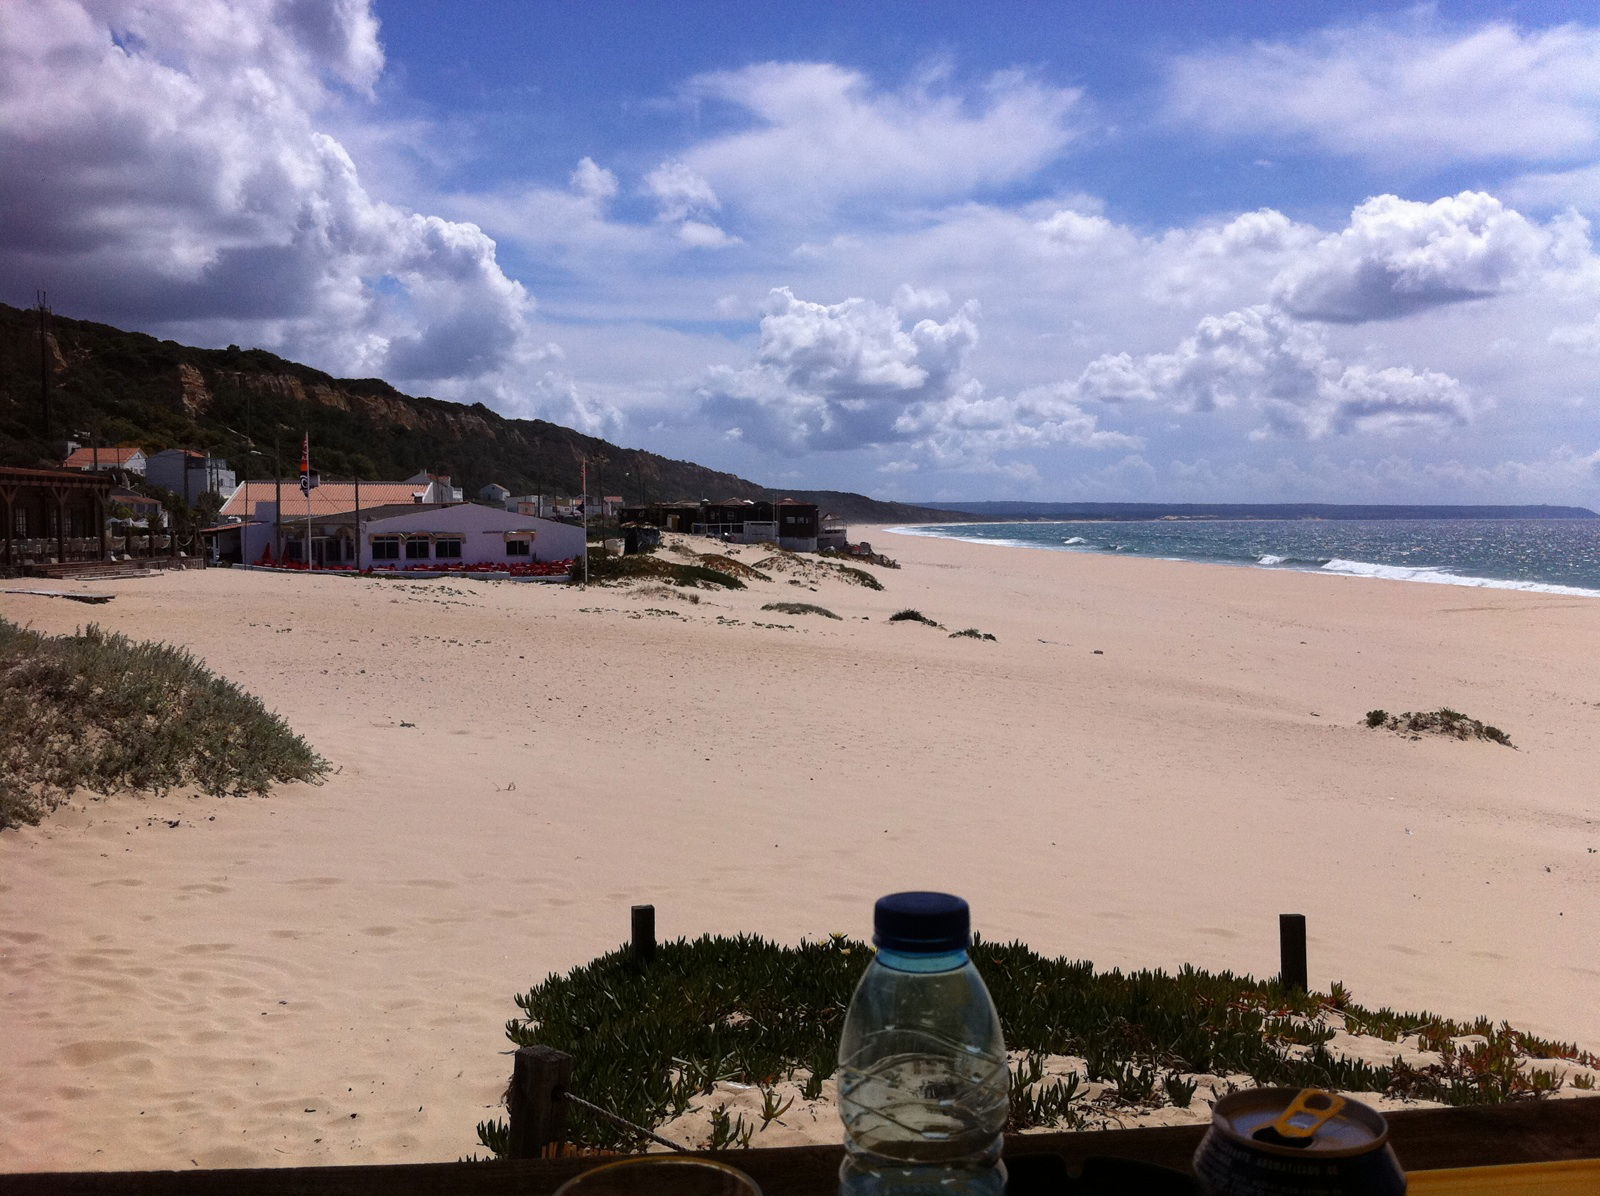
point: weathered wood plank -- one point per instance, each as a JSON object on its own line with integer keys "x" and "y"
{"x": 1425, "y": 1139}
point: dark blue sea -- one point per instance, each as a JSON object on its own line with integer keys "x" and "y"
{"x": 1553, "y": 556}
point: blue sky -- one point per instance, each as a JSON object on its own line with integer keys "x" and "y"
{"x": 1164, "y": 251}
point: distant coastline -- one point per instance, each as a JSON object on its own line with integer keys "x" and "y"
{"x": 1098, "y": 512}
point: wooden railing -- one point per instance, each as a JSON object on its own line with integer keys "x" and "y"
{"x": 1424, "y": 1139}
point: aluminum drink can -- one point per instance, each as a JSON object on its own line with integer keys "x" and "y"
{"x": 1296, "y": 1142}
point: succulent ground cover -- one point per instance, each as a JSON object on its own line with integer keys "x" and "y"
{"x": 101, "y": 712}
{"x": 657, "y": 1042}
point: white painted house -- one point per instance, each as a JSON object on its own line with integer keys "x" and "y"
{"x": 189, "y": 474}
{"x": 403, "y": 537}
{"x": 130, "y": 458}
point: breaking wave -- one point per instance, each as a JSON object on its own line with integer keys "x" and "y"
{"x": 1443, "y": 577}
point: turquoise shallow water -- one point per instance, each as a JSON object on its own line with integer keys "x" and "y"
{"x": 1558, "y": 556}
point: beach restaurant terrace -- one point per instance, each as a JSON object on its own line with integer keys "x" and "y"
{"x": 52, "y": 516}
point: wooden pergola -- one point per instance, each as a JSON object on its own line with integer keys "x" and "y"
{"x": 52, "y": 515}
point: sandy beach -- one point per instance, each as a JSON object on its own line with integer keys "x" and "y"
{"x": 1148, "y": 764}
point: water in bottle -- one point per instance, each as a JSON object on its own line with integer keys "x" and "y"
{"x": 923, "y": 1083}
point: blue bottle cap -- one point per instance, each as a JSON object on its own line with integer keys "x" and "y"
{"x": 921, "y": 923}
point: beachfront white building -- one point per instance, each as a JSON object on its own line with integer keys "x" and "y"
{"x": 465, "y": 533}
{"x": 253, "y": 533}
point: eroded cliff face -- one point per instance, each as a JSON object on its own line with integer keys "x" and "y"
{"x": 394, "y": 410}
{"x": 193, "y": 393}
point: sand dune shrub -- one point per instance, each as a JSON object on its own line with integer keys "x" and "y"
{"x": 99, "y": 711}
{"x": 800, "y": 608}
{"x": 610, "y": 570}
{"x": 1444, "y": 721}
{"x": 726, "y": 564}
{"x": 815, "y": 568}
{"x": 971, "y": 633}
{"x": 911, "y": 615}
{"x": 661, "y": 591}
{"x": 648, "y": 1040}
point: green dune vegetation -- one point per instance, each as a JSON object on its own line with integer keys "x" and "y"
{"x": 649, "y": 1041}
{"x": 100, "y": 712}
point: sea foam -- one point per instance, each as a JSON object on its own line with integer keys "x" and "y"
{"x": 1437, "y": 576}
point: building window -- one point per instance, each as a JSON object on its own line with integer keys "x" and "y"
{"x": 519, "y": 548}
{"x": 416, "y": 550}
{"x": 386, "y": 548}
{"x": 447, "y": 550}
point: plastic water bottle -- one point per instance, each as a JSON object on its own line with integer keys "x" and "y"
{"x": 923, "y": 1083}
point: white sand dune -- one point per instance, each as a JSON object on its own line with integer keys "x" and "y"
{"x": 1152, "y": 761}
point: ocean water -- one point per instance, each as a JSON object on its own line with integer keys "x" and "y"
{"x": 1552, "y": 556}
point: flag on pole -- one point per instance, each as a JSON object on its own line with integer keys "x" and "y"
{"x": 583, "y": 499}
{"x": 305, "y": 465}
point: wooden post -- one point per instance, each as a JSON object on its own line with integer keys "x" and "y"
{"x": 644, "y": 934}
{"x": 536, "y": 1111}
{"x": 61, "y": 524}
{"x": 1292, "y": 951}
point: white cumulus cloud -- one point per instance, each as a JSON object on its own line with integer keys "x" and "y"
{"x": 852, "y": 375}
{"x": 168, "y": 166}
{"x": 1259, "y": 361}
{"x": 1397, "y": 256}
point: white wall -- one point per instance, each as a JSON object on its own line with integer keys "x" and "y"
{"x": 482, "y": 532}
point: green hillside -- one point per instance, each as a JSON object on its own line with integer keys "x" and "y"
{"x": 251, "y": 407}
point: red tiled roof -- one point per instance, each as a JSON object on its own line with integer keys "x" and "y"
{"x": 84, "y": 458}
{"x": 330, "y": 498}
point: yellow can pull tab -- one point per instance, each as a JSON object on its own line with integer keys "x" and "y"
{"x": 1307, "y": 1114}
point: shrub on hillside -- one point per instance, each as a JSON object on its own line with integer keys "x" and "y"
{"x": 99, "y": 711}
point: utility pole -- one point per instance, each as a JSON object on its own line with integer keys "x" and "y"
{"x": 44, "y": 361}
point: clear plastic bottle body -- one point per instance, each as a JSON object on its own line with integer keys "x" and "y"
{"x": 923, "y": 1081}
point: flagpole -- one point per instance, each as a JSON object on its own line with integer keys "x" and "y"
{"x": 305, "y": 488}
{"x": 585, "y": 501}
